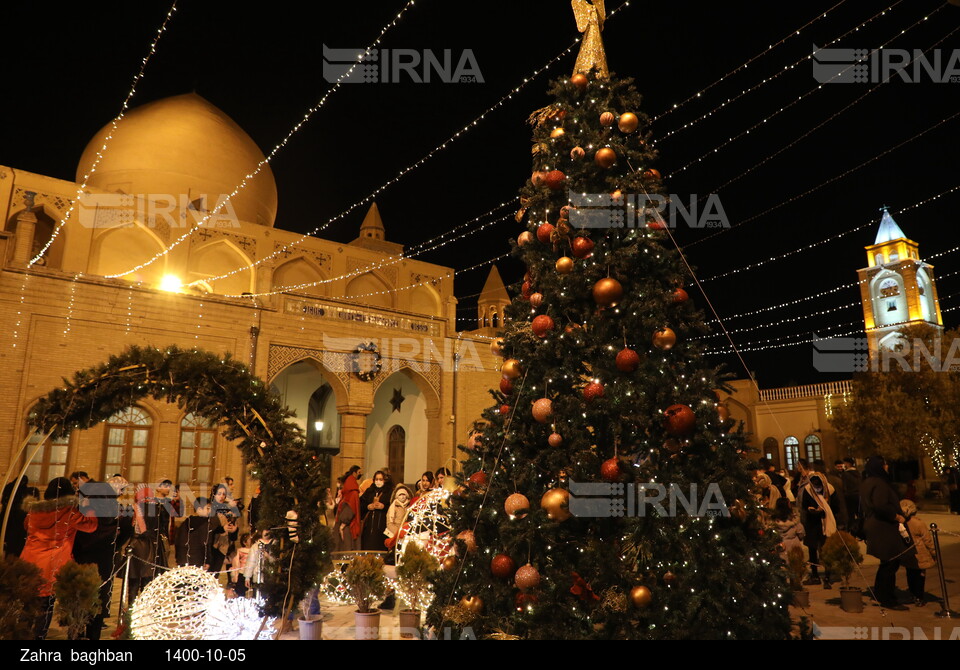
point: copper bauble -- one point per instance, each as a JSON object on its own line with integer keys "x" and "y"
{"x": 640, "y": 596}
{"x": 557, "y": 132}
{"x": 582, "y": 247}
{"x": 527, "y": 577}
{"x": 579, "y": 80}
{"x": 607, "y": 292}
{"x": 511, "y": 368}
{"x": 478, "y": 480}
{"x": 502, "y": 566}
{"x": 448, "y": 563}
{"x": 669, "y": 578}
{"x": 544, "y": 231}
{"x": 651, "y": 174}
{"x": 472, "y": 603}
{"x": 564, "y": 265}
{"x": 536, "y": 299}
{"x": 469, "y": 539}
{"x": 627, "y": 360}
{"x": 723, "y": 413}
{"x": 679, "y": 295}
{"x": 542, "y": 410}
{"x": 605, "y": 157}
{"x": 679, "y": 420}
{"x": 496, "y": 347}
{"x": 555, "y": 502}
{"x": 664, "y": 339}
{"x": 555, "y": 179}
{"x": 610, "y": 470}
{"x": 542, "y": 325}
{"x": 506, "y": 388}
{"x": 555, "y": 440}
{"x": 628, "y": 122}
{"x": 577, "y": 153}
{"x": 537, "y": 178}
{"x": 607, "y": 119}
{"x": 525, "y": 238}
{"x": 516, "y": 505}
{"x": 592, "y": 391}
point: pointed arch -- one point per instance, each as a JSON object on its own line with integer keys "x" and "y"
{"x": 218, "y": 257}
{"x": 425, "y": 300}
{"x": 371, "y": 288}
{"x": 289, "y": 277}
{"x": 118, "y": 249}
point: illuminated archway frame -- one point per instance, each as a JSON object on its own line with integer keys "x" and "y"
{"x": 222, "y": 390}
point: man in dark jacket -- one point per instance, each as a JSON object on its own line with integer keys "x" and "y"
{"x": 882, "y": 517}
{"x": 196, "y": 536}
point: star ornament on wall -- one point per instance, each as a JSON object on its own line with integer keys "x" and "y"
{"x": 397, "y": 400}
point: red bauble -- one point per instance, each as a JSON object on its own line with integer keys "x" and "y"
{"x": 555, "y": 440}
{"x": 554, "y": 179}
{"x": 504, "y": 409}
{"x": 628, "y": 360}
{"x": 502, "y": 566}
{"x": 542, "y": 325}
{"x": 526, "y": 290}
{"x": 592, "y": 391}
{"x": 656, "y": 224}
{"x": 679, "y": 295}
{"x": 610, "y": 470}
{"x": 680, "y": 420}
{"x": 542, "y": 410}
{"x": 527, "y": 577}
{"x": 544, "y": 230}
{"x": 523, "y": 599}
{"x": 582, "y": 247}
{"x": 506, "y": 388}
{"x": 478, "y": 480}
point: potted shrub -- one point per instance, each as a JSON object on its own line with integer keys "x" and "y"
{"x": 19, "y": 605}
{"x": 797, "y": 570}
{"x": 366, "y": 584}
{"x": 413, "y": 574}
{"x": 77, "y": 590}
{"x": 310, "y": 625}
{"x": 840, "y": 556}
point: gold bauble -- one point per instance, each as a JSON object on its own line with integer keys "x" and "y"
{"x": 607, "y": 292}
{"x": 664, "y": 339}
{"x": 628, "y": 122}
{"x": 579, "y": 80}
{"x": 555, "y": 502}
{"x": 496, "y": 347}
{"x": 564, "y": 265}
{"x": 605, "y": 157}
{"x": 448, "y": 563}
{"x": 556, "y": 132}
{"x": 511, "y": 368}
{"x": 472, "y": 603}
{"x": 640, "y": 596}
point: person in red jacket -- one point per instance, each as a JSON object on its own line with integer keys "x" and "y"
{"x": 52, "y": 524}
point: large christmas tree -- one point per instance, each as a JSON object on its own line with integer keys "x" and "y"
{"x": 607, "y": 494}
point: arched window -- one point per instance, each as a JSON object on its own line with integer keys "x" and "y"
{"x": 126, "y": 444}
{"x": 791, "y": 448}
{"x": 198, "y": 438}
{"x": 50, "y": 461}
{"x": 396, "y": 452}
{"x": 811, "y": 445}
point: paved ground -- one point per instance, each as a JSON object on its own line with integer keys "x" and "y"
{"x": 829, "y": 621}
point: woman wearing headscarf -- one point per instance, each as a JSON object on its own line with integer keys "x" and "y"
{"x": 373, "y": 506}
{"x": 817, "y": 517}
{"x": 882, "y": 517}
{"x": 52, "y": 526}
{"x": 348, "y": 528}
{"x": 13, "y": 496}
{"x": 148, "y": 548}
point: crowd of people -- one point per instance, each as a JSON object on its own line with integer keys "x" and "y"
{"x": 809, "y": 505}
{"x": 88, "y": 521}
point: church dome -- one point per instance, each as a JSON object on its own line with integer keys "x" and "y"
{"x": 186, "y": 148}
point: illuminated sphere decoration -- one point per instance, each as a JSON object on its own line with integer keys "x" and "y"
{"x": 664, "y": 339}
{"x": 607, "y": 292}
{"x": 542, "y": 410}
{"x": 527, "y": 577}
{"x": 174, "y": 606}
{"x": 516, "y": 505}
{"x": 427, "y": 525}
{"x": 555, "y": 502}
{"x": 605, "y": 157}
{"x": 237, "y": 619}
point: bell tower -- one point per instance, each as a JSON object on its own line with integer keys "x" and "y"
{"x": 897, "y": 288}
{"x": 492, "y": 301}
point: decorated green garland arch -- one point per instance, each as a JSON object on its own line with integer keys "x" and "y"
{"x": 223, "y": 391}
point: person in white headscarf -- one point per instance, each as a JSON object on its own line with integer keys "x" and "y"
{"x": 817, "y": 517}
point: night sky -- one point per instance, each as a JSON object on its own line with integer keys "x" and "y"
{"x": 70, "y": 68}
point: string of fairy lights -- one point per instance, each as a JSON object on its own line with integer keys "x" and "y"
{"x": 766, "y": 80}
{"x": 370, "y": 197}
{"x": 819, "y": 87}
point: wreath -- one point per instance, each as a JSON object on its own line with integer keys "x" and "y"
{"x": 367, "y": 361}
{"x": 222, "y": 390}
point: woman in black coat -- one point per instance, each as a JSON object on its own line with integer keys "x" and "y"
{"x": 881, "y": 525}
{"x": 373, "y": 507}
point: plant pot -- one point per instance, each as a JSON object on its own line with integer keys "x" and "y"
{"x": 801, "y": 599}
{"x": 851, "y": 599}
{"x": 409, "y": 623}
{"x": 312, "y": 628}
{"x": 367, "y": 625}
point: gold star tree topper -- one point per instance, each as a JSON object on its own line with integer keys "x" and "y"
{"x": 590, "y": 17}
